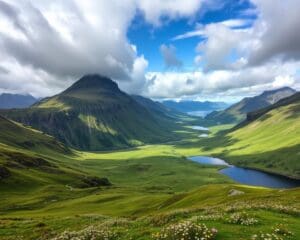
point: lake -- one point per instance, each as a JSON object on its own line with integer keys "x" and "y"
{"x": 199, "y": 113}
{"x": 248, "y": 176}
{"x": 200, "y": 128}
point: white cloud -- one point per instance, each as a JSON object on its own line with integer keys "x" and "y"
{"x": 67, "y": 39}
{"x": 46, "y": 45}
{"x": 282, "y": 81}
{"x": 225, "y": 83}
{"x": 277, "y": 29}
{"x": 154, "y": 10}
{"x": 169, "y": 56}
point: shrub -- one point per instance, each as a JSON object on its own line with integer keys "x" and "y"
{"x": 264, "y": 236}
{"x": 281, "y": 229}
{"x": 186, "y": 231}
{"x": 242, "y": 219}
{"x": 90, "y": 233}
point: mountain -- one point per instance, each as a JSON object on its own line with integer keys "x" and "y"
{"x": 8, "y": 100}
{"x": 94, "y": 114}
{"x": 193, "y": 106}
{"x": 29, "y": 156}
{"x": 158, "y": 107}
{"x": 238, "y": 112}
{"x": 269, "y": 139}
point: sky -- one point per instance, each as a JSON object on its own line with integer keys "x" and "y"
{"x": 218, "y": 50}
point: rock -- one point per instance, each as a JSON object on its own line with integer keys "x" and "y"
{"x": 4, "y": 173}
{"x": 95, "y": 182}
{"x": 234, "y": 192}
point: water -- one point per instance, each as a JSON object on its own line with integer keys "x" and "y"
{"x": 249, "y": 176}
{"x": 199, "y": 113}
{"x": 209, "y": 160}
{"x": 200, "y": 128}
{"x": 204, "y": 135}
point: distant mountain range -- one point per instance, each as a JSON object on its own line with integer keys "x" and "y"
{"x": 8, "y": 100}
{"x": 238, "y": 112}
{"x": 194, "y": 106}
{"x": 94, "y": 114}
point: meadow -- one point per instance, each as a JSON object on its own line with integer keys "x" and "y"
{"x": 156, "y": 193}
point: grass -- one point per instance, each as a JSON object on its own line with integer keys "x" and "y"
{"x": 154, "y": 186}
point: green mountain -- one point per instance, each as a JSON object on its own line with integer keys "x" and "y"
{"x": 269, "y": 139}
{"x": 29, "y": 160}
{"x": 238, "y": 112}
{"x": 94, "y": 114}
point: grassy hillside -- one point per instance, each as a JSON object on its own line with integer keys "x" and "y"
{"x": 31, "y": 162}
{"x": 238, "y": 112}
{"x": 153, "y": 187}
{"x": 93, "y": 114}
{"x": 271, "y": 141}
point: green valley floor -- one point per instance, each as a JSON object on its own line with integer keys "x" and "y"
{"x": 154, "y": 189}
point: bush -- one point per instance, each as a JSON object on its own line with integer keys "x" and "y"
{"x": 90, "y": 233}
{"x": 282, "y": 230}
{"x": 186, "y": 231}
{"x": 242, "y": 219}
{"x": 264, "y": 236}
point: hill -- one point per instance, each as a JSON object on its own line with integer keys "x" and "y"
{"x": 30, "y": 160}
{"x": 8, "y": 100}
{"x": 94, "y": 114}
{"x": 238, "y": 112}
{"x": 269, "y": 139}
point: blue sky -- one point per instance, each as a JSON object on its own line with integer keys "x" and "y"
{"x": 148, "y": 39}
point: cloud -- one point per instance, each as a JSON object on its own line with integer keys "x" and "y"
{"x": 225, "y": 83}
{"x": 46, "y": 45}
{"x": 277, "y": 26}
{"x": 201, "y": 31}
{"x": 169, "y": 56}
{"x": 67, "y": 39}
{"x": 156, "y": 10}
{"x": 237, "y": 43}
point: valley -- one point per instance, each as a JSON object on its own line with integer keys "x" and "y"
{"x": 63, "y": 181}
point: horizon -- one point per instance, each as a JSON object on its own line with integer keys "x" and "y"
{"x": 188, "y": 99}
{"x": 201, "y": 50}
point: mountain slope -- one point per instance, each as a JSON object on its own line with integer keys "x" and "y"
{"x": 31, "y": 160}
{"x": 8, "y": 100}
{"x": 93, "y": 114}
{"x": 238, "y": 111}
{"x": 270, "y": 139}
{"x": 158, "y": 108}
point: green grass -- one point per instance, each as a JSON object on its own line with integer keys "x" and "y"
{"x": 153, "y": 186}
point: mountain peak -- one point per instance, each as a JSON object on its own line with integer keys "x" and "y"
{"x": 94, "y": 81}
{"x": 268, "y": 92}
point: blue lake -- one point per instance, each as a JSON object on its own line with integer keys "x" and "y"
{"x": 200, "y": 128}
{"x": 248, "y": 176}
